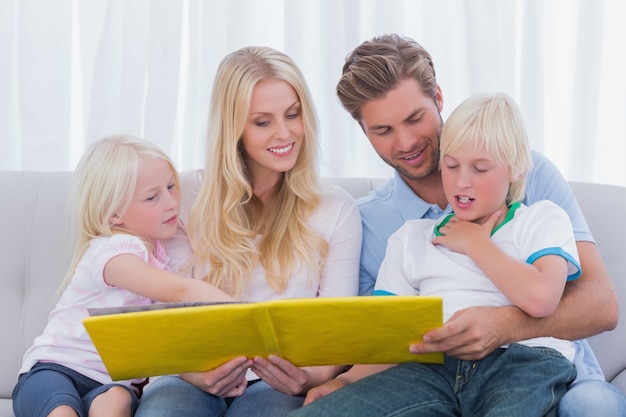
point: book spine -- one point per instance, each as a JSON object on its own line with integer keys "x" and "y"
{"x": 265, "y": 326}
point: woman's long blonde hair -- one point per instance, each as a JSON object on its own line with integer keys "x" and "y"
{"x": 226, "y": 216}
{"x": 103, "y": 186}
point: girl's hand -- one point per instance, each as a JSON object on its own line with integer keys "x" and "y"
{"x": 227, "y": 380}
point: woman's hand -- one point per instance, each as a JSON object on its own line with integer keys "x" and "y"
{"x": 285, "y": 377}
{"x": 227, "y": 380}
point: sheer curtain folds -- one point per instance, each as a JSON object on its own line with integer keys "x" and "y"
{"x": 73, "y": 71}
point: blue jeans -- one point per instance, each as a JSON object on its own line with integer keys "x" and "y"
{"x": 49, "y": 385}
{"x": 170, "y": 396}
{"x": 592, "y": 398}
{"x": 518, "y": 381}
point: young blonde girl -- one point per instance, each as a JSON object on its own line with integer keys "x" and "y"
{"x": 263, "y": 226}
{"x": 125, "y": 202}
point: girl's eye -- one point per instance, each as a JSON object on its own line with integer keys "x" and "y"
{"x": 171, "y": 186}
{"x": 293, "y": 115}
{"x": 261, "y": 123}
{"x": 151, "y": 198}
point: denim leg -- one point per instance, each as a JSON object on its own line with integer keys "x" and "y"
{"x": 261, "y": 400}
{"x": 409, "y": 389}
{"x": 170, "y": 396}
{"x": 517, "y": 381}
{"x": 49, "y": 385}
{"x": 591, "y": 398}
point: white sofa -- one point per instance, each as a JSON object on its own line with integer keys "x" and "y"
{"x": 34, "y": 248}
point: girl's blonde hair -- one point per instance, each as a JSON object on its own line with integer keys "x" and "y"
{"x": 226, "y": 217}
{"x": 103, "y": 186}
{"x": 494, "y": 123}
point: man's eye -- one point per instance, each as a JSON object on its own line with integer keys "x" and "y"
{"x": 382, "y": 132}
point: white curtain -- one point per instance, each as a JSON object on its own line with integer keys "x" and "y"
{"x": 73, "y": 71}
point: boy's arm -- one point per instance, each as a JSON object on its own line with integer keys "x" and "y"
{"x": 535, "y": 288}
{"x": 588, "y": 306}
{"x": 353, "y": 374}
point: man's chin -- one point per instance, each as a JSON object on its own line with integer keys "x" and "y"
{"x": 414, "y": 174}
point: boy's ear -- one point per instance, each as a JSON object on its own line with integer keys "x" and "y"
{"x": 516, "y": 178}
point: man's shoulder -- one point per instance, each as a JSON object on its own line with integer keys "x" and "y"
{"x": 381, "y": 195}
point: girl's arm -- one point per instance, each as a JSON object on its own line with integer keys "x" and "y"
{"x": 130, "y": 272}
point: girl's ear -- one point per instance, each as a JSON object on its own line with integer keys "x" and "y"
{"x": 115, "y": 220}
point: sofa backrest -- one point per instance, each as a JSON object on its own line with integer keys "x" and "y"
{"x": 35, "y": 247}
{"x": 598, "y": 201}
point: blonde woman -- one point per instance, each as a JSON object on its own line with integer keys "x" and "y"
{"x": 126, "y": 201}
{"x": 262, "y": 226}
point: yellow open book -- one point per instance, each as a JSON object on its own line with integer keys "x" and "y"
{"x": 305, "y": 331}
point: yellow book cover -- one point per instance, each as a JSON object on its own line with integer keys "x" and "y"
{"x": 170, "y": 339}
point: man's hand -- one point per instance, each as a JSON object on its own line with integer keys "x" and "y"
{"x": 470, "y": 334}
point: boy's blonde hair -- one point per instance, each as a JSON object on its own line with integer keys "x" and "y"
{"x": 223, "y": 223}
{"x": 103, "y": 186}
{"x": 494, "y": 123}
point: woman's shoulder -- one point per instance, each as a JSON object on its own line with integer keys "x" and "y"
{"x": 334, "y": 199}
{"x": 190, "y": 183}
